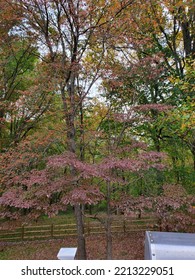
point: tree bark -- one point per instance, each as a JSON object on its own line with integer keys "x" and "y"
{"x": 70, "y": 114}
{"x": 81, "y": 251}
{"x": 108, "y": 225}
{"x": 193, "y": 153}
{"x": 71, "y": 143}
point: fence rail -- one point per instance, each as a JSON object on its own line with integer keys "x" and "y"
{"x": 37, "y": 232}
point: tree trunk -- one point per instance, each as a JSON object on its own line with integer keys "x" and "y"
{"x": 81, "y": 251}
{"x": 177, "y": 175}
{"x": 193, "y": 156}
{"x": 193, "y": 150}
{"x": 1, "y": 130}
{"x": 69, "y": 112}
{"x": 108, "y": 238}
{"x": 108, "y": 225}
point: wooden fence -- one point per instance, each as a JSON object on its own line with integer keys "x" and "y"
{"x": 51, "y": 231}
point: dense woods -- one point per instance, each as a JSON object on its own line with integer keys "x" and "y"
{"x": 97, "y": 110}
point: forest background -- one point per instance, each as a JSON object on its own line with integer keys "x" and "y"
{"x": 97, "y": 106}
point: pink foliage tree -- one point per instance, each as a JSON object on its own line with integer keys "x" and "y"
{"x": 30, "y": 191}
{"x": 173, "y": 208}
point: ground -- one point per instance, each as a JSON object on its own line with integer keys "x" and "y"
{"x": 129, "y": 246}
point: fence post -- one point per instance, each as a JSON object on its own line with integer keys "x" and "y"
{"x": 52, "y": 226}
{"x": 124, "y": 226}
{"x": 88, "y": 228}
{"x": 22, "y": 233}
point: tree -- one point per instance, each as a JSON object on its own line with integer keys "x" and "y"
{"x": 22, "y": 103}
{"x": 34, "y": 190}
{"x": 151, "y": 62}
{"x": 173, "y": 208}
{"x": 65, "y": 31}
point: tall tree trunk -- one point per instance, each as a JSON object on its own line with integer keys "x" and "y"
{"x": 69, "y": 112}
{"x": 177, "y": 175}
{"x": 193, "y": 155}
{"x": 81, "y": 253}
{"x": 108, "y": 225}
{"x": 71, "y": 143}
{"x": 1, "y": 129}
{"x": 194, "y": 161}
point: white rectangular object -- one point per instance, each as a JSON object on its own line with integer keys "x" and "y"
{"x": 67, "y": 254}
{"x": 169, "y": 246}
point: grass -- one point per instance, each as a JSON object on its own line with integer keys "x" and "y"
{"x": 63, "y": 218}
{"x": 67, "y": 218}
